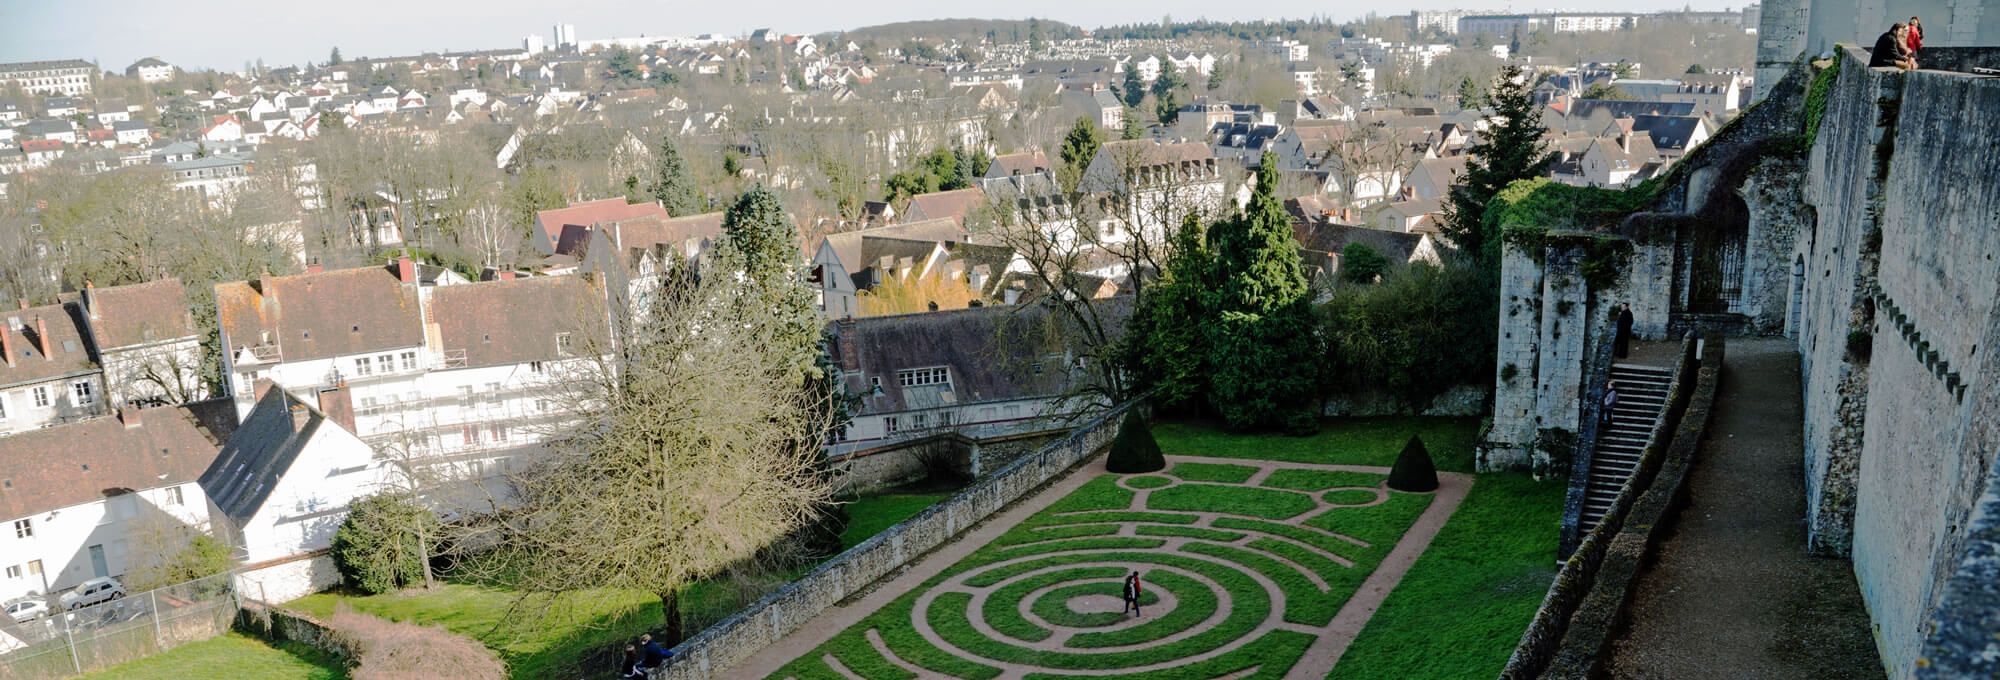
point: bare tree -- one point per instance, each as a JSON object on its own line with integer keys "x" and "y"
{"x": 664, "y": 482}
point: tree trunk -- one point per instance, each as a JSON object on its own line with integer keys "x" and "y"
{"x": 670, "y": 610}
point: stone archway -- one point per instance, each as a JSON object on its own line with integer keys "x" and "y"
{"x": 1716, "y": 260}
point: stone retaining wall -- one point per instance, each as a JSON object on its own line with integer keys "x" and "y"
{"x": 727, "y": 643}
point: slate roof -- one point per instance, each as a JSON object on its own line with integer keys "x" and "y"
{"x": 1328, "y": 237}
{"x": 500, "y": 323}
{"x": 991, "y": 353}
{"x": 124, "y": 316}
{"x": 1586, "y": 108}
{"x": 1669, "y": 132}
{"x": 259, "y": 453}
{"x": 316, "y": 316}
{"x": 57, "y": 467}
{"x": 68, "y": 352}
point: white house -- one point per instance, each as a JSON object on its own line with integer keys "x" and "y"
{"x": 1150, "y": 186}
{"x": 146, "y": 340}
{"x": 49, "y": 375}
{"x": 76, "y": 499}
{"x": 282, "y": 484}
{"x": 151, "y": 70}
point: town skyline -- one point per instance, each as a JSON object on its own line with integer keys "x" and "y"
{"x": 356, "y": 28}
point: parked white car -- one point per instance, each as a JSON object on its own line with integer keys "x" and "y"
{"x": 94, "y": 591}
{"x": 25, "y": 610}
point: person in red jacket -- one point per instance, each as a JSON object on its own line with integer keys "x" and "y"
{"x": 1915, "y": 40}
{"x": 1132, "y": 592}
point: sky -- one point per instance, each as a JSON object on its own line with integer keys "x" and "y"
{"x": 224, "y": 34}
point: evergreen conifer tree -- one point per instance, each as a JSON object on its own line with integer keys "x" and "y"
{"x": 672, "y": 185}
{"x": 760, "y": 241}
{"x": 1414, "y": 471}
{"x": 1510, "y": 150}
{"x": 1079, "y": 147}
{"x": 1135, "y": 87}
{"x": 1134, "y": 450}
{"x": 1168, "y": 346}
{"x": 1262, "y": 344}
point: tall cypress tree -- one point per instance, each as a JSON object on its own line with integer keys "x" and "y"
{"x": 672, "y": 185}
{"x": 760, "y": 241}
{"x": 1135, "y": 87}
{"x": 1167, "y": 346}
{"x": 1079, "y": 148}
{"x": 1262, "y": 346}
{"x": 1511, "y": 150}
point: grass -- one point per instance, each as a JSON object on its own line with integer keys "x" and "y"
{"x": 1345, "y": 441}
{"x": 1321, "y": 480}
{"x": 554, "y": 637}
{"x": 1053, "y": 606}
{"x": 1209, "y": 472}
{"x": 1461, "y": 608}
{"x": 1234, "y": 500}
{"x": 1147, "y": 482}
{"x": 234, "y": 655}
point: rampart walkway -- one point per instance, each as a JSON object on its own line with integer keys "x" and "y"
{"x": 1733, "y": 593}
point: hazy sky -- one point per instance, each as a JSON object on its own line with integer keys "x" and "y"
{"x": 226, "y": 33}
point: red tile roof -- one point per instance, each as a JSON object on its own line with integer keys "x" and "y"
{"x": 57, "y": 467}
{"x": 124, "y": 316}
{"x": 551, "y": 222}
{"x": 316, "y": 316}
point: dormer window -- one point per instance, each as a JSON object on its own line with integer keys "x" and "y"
{"x": 562, "y": 344}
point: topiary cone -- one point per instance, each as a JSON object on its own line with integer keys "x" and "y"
{"x": 1134, "y": 450}
{"x": 1414, "y": 470}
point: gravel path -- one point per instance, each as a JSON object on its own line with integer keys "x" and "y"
{"x": 1733, "y": 593}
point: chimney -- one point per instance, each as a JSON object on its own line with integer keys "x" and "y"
{"x": 338, "y": 405}
{"x": 7, "y": 345}
{"x": 42, "y": 336}
{"x": 259, "y": 387}
{"x": 300, "y": 416}
{"x": 506, "y": 275}
{"x": 406, "y": 270}
{"x": 315, "y": 268}
{"x": 850, "y": 356}
{"x": 129, "y": 415}
{"x": 89, "y": 298}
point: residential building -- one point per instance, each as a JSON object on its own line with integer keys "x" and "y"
{"x": 50, "y": 375}
{"x": 146, "y": 342}
{"x": 1716, "y": 96}
{"x": 71, "y": 77}
{"x": 151, "y": 70}
{"x": 433, "y": 369}
{"x": 281, "y": 485}
{"x": 88, "y": 499}
{"x": 981, "y": 372}
{"x": 549, "y": 224}
{"x": 1147, "y": 186}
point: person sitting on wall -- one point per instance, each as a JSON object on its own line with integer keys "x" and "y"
{"x": 1914, "y": 40}
{"x": 1892, "y": 49}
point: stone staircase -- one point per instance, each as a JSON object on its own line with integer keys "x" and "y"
{"x": 1642, "y": 397}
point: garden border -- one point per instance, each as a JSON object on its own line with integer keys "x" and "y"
{"x": 732, "y": 640}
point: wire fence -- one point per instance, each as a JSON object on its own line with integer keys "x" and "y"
{"x": 67, "y": 643}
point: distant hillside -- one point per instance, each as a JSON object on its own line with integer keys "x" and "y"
{"x": 1007, "y": 30}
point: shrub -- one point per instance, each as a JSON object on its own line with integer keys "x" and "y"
{"x": 383, "y": 543}
{"x": 1361, "y": 264}
{"x": 1421, "y": 331}
{"x": 1134, "y": 450}
{"x": 388, "y": 650}
{"x": 1414, "y": 470}
{"x": 200, "y": 557}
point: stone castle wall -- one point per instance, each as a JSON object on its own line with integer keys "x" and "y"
{"x": 1901, "y": 188}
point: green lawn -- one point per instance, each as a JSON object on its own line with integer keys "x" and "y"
{"x": 545, "y": 637}
{"x": 1344, "y": 441}
{"x": 231, "y": 656}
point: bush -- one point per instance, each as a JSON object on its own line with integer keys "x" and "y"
{"x": 1361, "y": 264}
{"x": 202, "y": 556}
{"x": 1423, "y": 330}
{"x": 1134, "y": 450}
{"x": 1414, "y": 470}
{"x": 383, "y": 544}
{"x": 387, "y": 650}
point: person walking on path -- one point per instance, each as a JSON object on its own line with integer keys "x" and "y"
{"x": 1915, "y": 41}
{"x": 652, "y": 655}
{"x": 1623, "y": 342}
{"x": 1892, "y": 48}
{"x": 1610, "y": 401}
{"x": 1132, "y": 592}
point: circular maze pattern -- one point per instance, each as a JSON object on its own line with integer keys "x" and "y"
{"x": 1243, "y": 566}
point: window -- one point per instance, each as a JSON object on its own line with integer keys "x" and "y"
{"x": 409, "y": 361}
{"x": 944, "y": 419}
{"x": 34, "y": 567}
{"x": 14, "y": 572}
{"x": 364, "y": 366}
{"x": 500, "y": 433}
{"x": 840, "y": 434}
{"x": 388, "y": 363}
{"x": 84, "y": 392}
{"x": 924, "y": 376}
{"x": 541, "y": 405}
{"x": 921, "y": 420}
{"x": 42, "y": 396}
{"x": 889, "y": 426}
{"x": 174, "y": 496}
{"x": 24, "y": 528}
{"x": 562, "y": 344}
{"x": 3, "y": 408}
{"x": 535, "y": 366}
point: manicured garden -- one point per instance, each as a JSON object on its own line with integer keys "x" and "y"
{"x": 231, "y": 656}
{"x": 542, "y": 637}
{"x": 1227, "y": 549}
